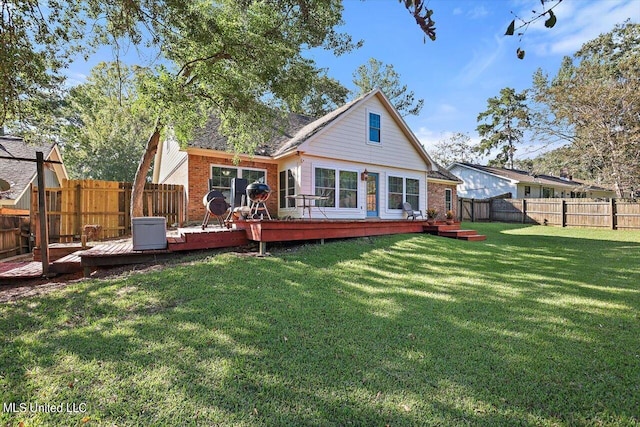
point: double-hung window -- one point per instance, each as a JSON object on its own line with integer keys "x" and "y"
{"x": 330, "y": 183}
{"x": 400, "y": 190}
{"x": 326, "y": 187}
{"x": 396, "y": 193}
{"x": 287, "y": 188}
{"x": 375, "y": 128}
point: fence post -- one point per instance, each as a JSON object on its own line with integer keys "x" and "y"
{"x": 524, "y": 211}
{"x": 78, "y": 213}
{"x": 613, "y": 214}
{"x": 473, "y": 210}
{"x": 563, "y": 216}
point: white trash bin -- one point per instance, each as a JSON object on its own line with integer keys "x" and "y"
{"x": 149, "y": 232}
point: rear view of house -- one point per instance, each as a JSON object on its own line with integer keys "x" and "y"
{"x": 360, "y": 161}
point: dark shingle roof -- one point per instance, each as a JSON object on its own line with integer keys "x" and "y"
{"x": 18, "y": 174}
{"x": 297, "y": 129}
{"x": 443, "y": 174}
{"x": 210, "y": 137}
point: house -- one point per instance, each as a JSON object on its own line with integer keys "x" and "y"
{"x": 16, "y": 176}
{"x": 483, "y": 182}
{"x": 361, "y": 159}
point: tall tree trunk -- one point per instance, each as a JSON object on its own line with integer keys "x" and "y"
{"x": 137, "y": 192}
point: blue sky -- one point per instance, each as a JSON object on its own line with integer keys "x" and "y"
{"x": 470, "y": 61}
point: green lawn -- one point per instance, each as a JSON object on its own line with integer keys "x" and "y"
{"x": 536, "y": 326}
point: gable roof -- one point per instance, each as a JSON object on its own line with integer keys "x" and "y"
{"x": 19, "y": 174}
{"x": 525, "y": 177}
{"x": 300, "y": 128}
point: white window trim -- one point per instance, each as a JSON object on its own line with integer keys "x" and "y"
{"x": 367, "y": 128}
{"x": 404, "y": 190}
{"x": 295, "y": 189}
{"x": 336, "y": 170}
{"x": 239, "y": 170}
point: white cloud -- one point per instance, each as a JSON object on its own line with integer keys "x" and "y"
{"x": 482, "y": 59}
{"x": 478, "y": 12}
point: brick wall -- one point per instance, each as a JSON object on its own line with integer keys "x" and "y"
{"x": 200, "y": 172}
{"x": 436, "y": 197}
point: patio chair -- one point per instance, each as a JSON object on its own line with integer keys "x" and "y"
{"x": 406, "y": 208}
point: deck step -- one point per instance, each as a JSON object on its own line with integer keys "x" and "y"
{"x": 473, "y": 237}
{"x": 68, "y": 264}
{"x": 438, "y": 227}
{"x": 455, "y": 234}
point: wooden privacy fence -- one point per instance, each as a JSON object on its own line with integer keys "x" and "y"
{"x": 106, "y": 203}
{"x": 14, "y": 235}
{"x": 616, "y": 214}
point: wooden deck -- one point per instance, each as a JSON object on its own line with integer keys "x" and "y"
{"x": 74, "y": 258}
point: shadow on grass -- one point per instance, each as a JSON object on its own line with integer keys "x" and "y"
{"x": 405, "y": 330}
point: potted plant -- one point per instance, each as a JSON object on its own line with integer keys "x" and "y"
{"x": 431, "y": 215}
{"x": 449, "y": 215}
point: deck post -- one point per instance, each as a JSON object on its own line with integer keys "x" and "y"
{"x": 262, "y": 251}
{"x": 42, "y": 208}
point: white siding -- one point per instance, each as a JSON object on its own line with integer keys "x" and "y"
{"x": 307, "y": 173}
{"x": 173, "y": 165}
{"x": 347, "y": 139}
{"x": 293, "y": 163}
{"x": 480, "y": 185}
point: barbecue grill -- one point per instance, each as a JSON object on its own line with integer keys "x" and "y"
{"x": 258, "y": 193}
{"x": 216, "y": 205}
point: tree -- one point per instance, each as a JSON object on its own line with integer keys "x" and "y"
{"x": 103, "y": 123}
{"x": 36, "y": 43}
{"x": 507, "y": 118}
{"x": 456, "y": 148}
{"x": 376, "y": 74}
{"x": 239, "y": 60}
{"x": 596, "y": 96}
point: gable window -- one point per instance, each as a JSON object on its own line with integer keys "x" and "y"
{"x": 448, "y": 199}
{"x": 332, "y": 182}
{"x": 287, "y": 188}
{"x": 374, "y": 128}
{"x": 402, "y": 190}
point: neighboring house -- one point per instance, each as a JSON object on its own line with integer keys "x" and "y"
{"x": 483, "y": 182}
{"x": 17, "y": 176}
{"x": 362, "y": 157}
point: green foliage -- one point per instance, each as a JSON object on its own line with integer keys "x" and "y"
{"x": 526, "y": 328}
{"x": 594, "y": 103}
{"x": 376, "y": 74}
{"x": 506, "y": 118}
{"x": 33, "y": 53}
{"x": 105, "y": 124}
